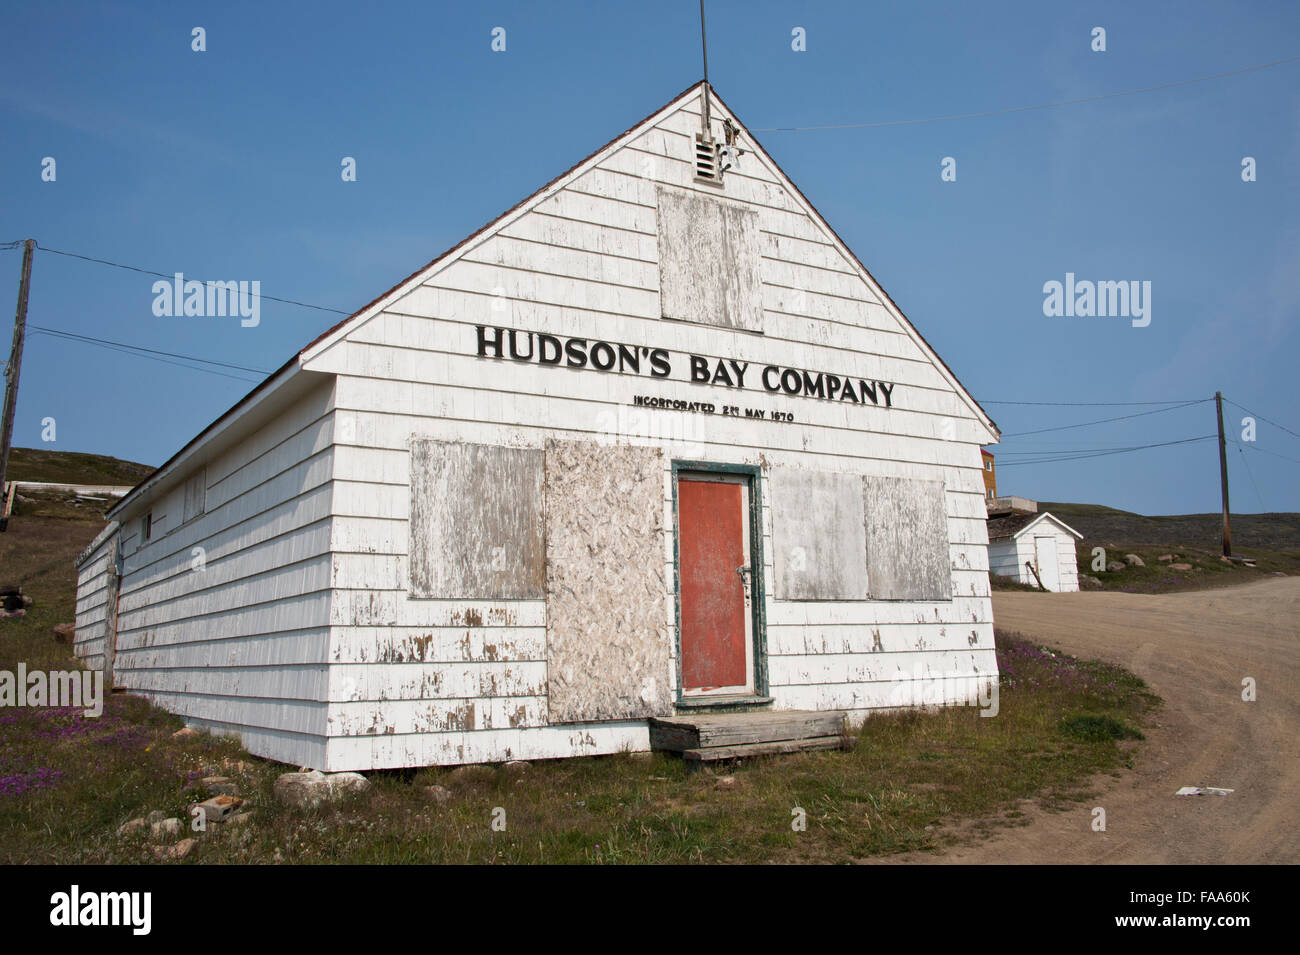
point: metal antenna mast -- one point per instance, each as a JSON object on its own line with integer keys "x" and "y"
{"x": 704, "y": 47}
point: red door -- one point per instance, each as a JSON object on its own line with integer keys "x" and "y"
{"x": 712, "y": 520}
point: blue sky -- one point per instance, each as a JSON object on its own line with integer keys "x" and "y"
{"x": 225, "y": 165}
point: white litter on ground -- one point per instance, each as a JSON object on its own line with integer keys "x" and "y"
{"x": 1203, "y": 791}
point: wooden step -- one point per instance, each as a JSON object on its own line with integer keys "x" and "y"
{"x": 764, "y": 749}
{"x": 708, "y": 731}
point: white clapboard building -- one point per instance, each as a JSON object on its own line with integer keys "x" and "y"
{"x": 653, "y": 442}
{"x": 1035, "y": 549}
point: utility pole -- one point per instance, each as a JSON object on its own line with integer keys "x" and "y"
{"x": 12, "y": 369}
{"x": 1223, "y": 477}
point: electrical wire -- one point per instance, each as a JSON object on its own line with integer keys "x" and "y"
{"x": 1246, "y": 464}
{"x": 138, "y": 352}
{"x": 1023, "y": 109}
{"x": 1091, "y": 404}
{"x": 1262, "y": 418}
{"x": 107, "y": 341}
{"x": 164, "y": 275}
{"x": 1085, "y": 424}
{"x": 1099, "y": 454}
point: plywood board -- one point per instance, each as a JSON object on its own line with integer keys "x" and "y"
{"x": 907, "y": 539}
{"x": 476, "y": 521}
{"x": 608, "y": 654}
{"x": 709, "y": 261}
{"x": 818, "y": 535}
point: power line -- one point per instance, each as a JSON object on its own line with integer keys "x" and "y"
{"x": 1092, "y": 404}
{"x": 1100, "y": 454}
{"x": 1023, "y": 109}
{"x": 1262, "y": 418}
{"x": 1252, "y": 447}
{"x": 151, "y": 354}
{"x": 106, "y": 341}
{"x": 1085, "y": 424}
{"x": 1246, "y": 464}
{"x": 165, "y": 275}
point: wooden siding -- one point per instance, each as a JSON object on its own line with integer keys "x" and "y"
{"x": 93, "y": 589}
{"x": 224, "y": 616}
{"x": 414, "y": 682}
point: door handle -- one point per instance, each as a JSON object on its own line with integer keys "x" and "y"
{"x": 744, "y": 572}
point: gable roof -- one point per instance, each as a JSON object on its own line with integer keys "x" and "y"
{"x": 1017, "y": 525}
{"x": 338, "y": 331}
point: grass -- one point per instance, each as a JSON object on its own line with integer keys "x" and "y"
{"x": 916, "y": 780}
{"x": 71, "y": 467}
{"x": 1208, "y": 570}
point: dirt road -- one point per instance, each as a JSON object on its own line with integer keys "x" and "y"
{"x": 1194, "y": 649}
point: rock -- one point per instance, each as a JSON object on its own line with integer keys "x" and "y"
{"x": 725, "y": 782}
{"x": 132, "y": 828}
{"x": 347, "y": 784}
{"x": 644, "y": 756}
{"x": 470, "y": 774}
{"x": 438, "y": 794}
{"x": 1134, "y": 560}
{"x": 65, "y": 632}
{"x": 517, "y": 767}
{"x": 1091, "y": 579}
{"x": 1116, "y": 566}
{"x": 167, "y": 829}
{"x": 218, "y": 808}
{"x": 307, "y": 790}
{"x": 1165, "y": 557}
{"x": 220, "y": 785}
{"x": 155, "y": 817}
{"x": 240, "y": 819}
{"x": 302, "y": 790}
{"x": 1180, "y": 566}
{"x": 174, "y": 853}
{"x": 185, "y": 733}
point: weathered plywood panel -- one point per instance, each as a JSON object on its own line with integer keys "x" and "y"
{"x": 476, "y": 521}
{"x": 907, "y": 539}
{"x": 818, "y": 535}
{"x": 709, "y": 261}
{"x": 607, "y": 640}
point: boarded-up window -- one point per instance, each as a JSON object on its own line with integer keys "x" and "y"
{"x": 607, "y": 643}
{"x": 907, "y": 539}
{"x": 196, "y": 490}
{"x": 476, "y": 521}
{"x": 709, "y": 261}
{"x": 819, "y": 535}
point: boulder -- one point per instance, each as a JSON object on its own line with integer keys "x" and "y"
{"x": 220, "y": 785}
{"x": 347, "y": 784}
{"x": 174, "y": 853}
{"x": 1116, "y": 566}
{"x": 185, "y": 733}
{"x": 517, "y": 767}
{"x": 155, "y": 817}
{"x": 1180, "y": 566}
{"x": 65, "y": 632}
{"x": 1165, "y": 557}
{"x": 302, "y": 790}
{"x": 726, "y": 782}
{"x": 313, "y": 788}
{"x": 1133, "y": 560}
{"x": 132, "y": 828}
{"x": 167, "y": 829}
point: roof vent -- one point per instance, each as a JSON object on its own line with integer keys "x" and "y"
{"x": 706, "y": 159}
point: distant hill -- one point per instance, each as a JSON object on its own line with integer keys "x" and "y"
{"x": 1102, "y": 525}
{"x": 71, "y": 467}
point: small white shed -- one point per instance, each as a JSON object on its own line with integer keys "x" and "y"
{"x": 1043, "y": 542}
